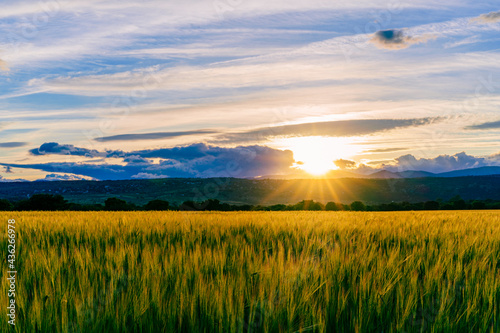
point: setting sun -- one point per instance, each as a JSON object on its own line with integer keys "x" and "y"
{"x": 316, "y": 155}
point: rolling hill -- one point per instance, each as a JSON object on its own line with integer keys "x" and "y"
{"x": 265, "y": 191}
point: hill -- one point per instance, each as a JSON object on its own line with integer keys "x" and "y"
{"x": 265, "y": 191}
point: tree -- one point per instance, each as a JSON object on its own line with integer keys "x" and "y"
{"x": 278, "y": 207}
{"x": 44, "y": 202}
{"x": 459, "y": 204}
{"x": 447, "y": 206}
{"x": 115, "y": 204}
{"x": 358, "y": 206}
{"x": 189, "y": 205}
{"x": 431, "y": 205}
{"x": 332, "y": 206}
{"x": 157, "y": 205}
{"x": 5, "y": 205}
{"x": 308, "y": 205}
{"x": 212, "y": 204}
{"x": 478, "y": 205}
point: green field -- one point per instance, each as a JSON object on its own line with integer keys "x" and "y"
{"x": 255, "y": 272}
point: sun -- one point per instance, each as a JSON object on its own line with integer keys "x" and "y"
{"x": 316, "y": 155}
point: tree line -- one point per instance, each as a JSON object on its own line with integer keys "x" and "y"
{"x": 50, "y": 202}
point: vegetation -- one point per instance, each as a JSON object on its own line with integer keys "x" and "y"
{"x": 48, "y": 202}
{"x": 255, "y": 272}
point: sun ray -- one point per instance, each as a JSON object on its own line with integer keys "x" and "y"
{"x": 316, "y": 154}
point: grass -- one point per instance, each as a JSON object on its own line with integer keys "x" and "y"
{"x": 255, "y": 272}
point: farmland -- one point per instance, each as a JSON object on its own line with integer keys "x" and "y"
{"x": 255, "y": 271}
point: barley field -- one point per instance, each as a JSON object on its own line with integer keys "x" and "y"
{"x": 254, "y": 272}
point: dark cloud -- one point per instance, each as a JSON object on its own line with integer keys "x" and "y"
{"x": 197, "y": 160}
{"x": 151, "y": 136}
{"x": 491, "y": 17}
{"x": 485, "y": 126}
{"x": 397, "y": 39}
{"x": 190, "y": 152}
{"x": 135, "y": 159}
{"x": 54, "y": 148}
{"x": 12, "y": 144}
{"x": 345, "y": 164}
{"x": 343, "y": 128}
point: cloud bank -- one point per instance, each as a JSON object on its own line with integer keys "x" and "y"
{"x": 197, "y": 160}
{"x": 439, "y": 164}
{"x": 205, "y": 161}
{"x": 397, "y": 39}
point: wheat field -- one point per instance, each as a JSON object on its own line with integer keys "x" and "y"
{"x": 255, "y": 272}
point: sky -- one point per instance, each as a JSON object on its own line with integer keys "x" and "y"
{"x": 238, "y": 88}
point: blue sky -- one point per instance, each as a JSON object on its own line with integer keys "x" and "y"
{"x": 248, "y": 88}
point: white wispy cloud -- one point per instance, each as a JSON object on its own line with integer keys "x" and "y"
{"x": 259, "y": 75}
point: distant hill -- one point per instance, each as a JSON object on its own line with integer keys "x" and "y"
{"x": 385, "y": 174}
{"x": 265, "y": 191}
{"x": 484, "y": 171}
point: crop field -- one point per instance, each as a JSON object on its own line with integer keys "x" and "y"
{"x": 254, "y": 272}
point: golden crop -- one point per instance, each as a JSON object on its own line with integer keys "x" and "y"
{"x": 255, "y": 272}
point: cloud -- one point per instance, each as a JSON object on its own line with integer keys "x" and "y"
{"x": 12, "y": 144}
{"x": 145, "y": 175}
{"x": 441, "y": 163}
{"x": 384, "y": 150}
{"x": 491, "y": 17}
{"x": 438, "y": 164}
{"x": 397, "y": 40}
{"x": 54, "y": 148}
{"x": 6, "y": 180}
{"x": 56, "y": 177}
{"x": 484, "y": 126}
{"x": 101, "y": 30}
{"x": 198, "y": 160}
{"x": 343, "y": 128}
{"x": 345, "y": 164}
{"x": 135, "y": 159}
{"x": 151, "y": 136}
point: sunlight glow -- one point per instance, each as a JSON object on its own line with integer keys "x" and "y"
{"x": 315, "y": 154}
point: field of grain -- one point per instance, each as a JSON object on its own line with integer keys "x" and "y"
{"x": 255, "y": 272}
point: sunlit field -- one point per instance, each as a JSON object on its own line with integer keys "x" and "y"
{"x": 255, "y": 272}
